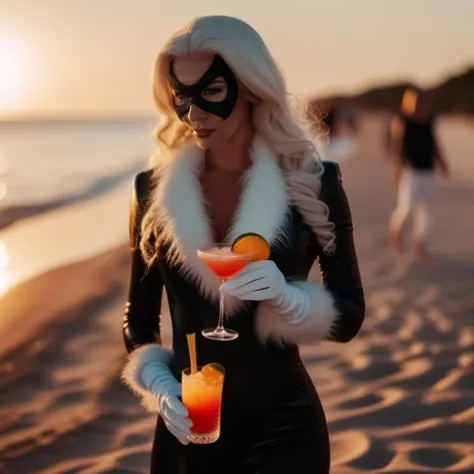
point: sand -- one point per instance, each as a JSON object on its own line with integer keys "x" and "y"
{"x": 399, "y": 397}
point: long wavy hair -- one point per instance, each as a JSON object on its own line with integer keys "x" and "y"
{"x": 275, "y": 117}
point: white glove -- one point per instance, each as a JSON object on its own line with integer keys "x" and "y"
{"x": 263, "y": 281}
{"x": 157, "y": 377}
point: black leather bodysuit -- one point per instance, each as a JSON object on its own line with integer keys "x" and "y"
{"x": 272, "y": 418}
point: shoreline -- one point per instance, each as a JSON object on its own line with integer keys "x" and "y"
{"x": 64, "y": 235}
{"x": 95, "y": 190}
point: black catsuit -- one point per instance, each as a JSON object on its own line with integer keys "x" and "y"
{"x": 272, "y": 419}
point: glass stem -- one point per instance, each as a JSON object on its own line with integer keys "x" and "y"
{"x": 220, "y": 324}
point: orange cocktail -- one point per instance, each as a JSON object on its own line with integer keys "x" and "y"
{"x": 202, "y": 396}
{"x": 225, "y": 263}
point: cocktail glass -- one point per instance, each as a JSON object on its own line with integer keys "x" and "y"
{"x": 225, "y": 263}
{"x": 202, "y": 396}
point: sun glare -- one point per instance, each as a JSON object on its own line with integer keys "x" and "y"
{"x": 13, "y": 73}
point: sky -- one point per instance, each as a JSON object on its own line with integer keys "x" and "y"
{"x": 92, "y": 58}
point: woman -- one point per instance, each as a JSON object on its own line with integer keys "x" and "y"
{"x": 235, "y": 159}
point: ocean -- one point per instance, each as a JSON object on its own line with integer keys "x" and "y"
{"x": 46, "y": 164}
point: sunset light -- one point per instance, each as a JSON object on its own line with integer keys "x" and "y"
{"x": 15, "y": 74}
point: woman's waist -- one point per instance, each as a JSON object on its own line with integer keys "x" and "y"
{"x": 239, "y": 358}
{"x": 277, "y": 382}
{"x": 289, "y": 393}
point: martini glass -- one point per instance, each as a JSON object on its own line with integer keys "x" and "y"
{"x": 225, "y": 264}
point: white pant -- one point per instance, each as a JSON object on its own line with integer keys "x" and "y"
{"x": 415, "y": 195}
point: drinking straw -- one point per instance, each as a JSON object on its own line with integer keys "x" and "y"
{"x": 192, "y": 351}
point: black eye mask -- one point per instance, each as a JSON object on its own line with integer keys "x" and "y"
{"x": 193, "y": 93}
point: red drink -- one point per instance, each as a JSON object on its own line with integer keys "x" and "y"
{"x": 202, "y": 396}
{"x": 224, "y": 262}
{"x": 205, "y": 416}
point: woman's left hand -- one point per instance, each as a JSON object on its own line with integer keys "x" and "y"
{"x": 258, "y": 281}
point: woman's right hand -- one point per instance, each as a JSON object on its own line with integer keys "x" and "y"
{"x": 166, "y": 390}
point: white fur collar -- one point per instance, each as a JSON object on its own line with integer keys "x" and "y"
{"x": 184, "y": 222}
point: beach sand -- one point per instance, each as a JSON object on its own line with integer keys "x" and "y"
{"x": 398, "y": 398}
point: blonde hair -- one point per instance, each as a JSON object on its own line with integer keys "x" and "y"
{"x": 274, "y": 117}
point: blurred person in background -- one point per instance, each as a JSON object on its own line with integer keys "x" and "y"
{"x": 330, "y": 119}
{"x": 234, "y": 158}
{"x": 415, "y": 157}
{"x": 340, "y": 127}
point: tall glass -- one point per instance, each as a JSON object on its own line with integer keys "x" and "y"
{"x": 225, "y": 264}
{"x": 202, "y": 396}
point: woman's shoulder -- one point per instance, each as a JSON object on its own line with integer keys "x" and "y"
{"x": 141, "y": 192}
{"x": 332, "y": 191}
{"x": 141, "y": 189}
{"x": 142, "y": 184}
{"x": 331, "y": 176}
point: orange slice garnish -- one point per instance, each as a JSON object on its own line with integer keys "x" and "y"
{"x": 252, "y": 243}
{"x": 214, "y": 371}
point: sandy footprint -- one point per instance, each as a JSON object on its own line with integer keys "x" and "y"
{"x": 434, "y": 458}
{"x": 346, "y": 446}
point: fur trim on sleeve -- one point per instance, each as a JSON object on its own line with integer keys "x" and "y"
{"x": 137, "y": 359}
{"x": 317, "y": 325}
